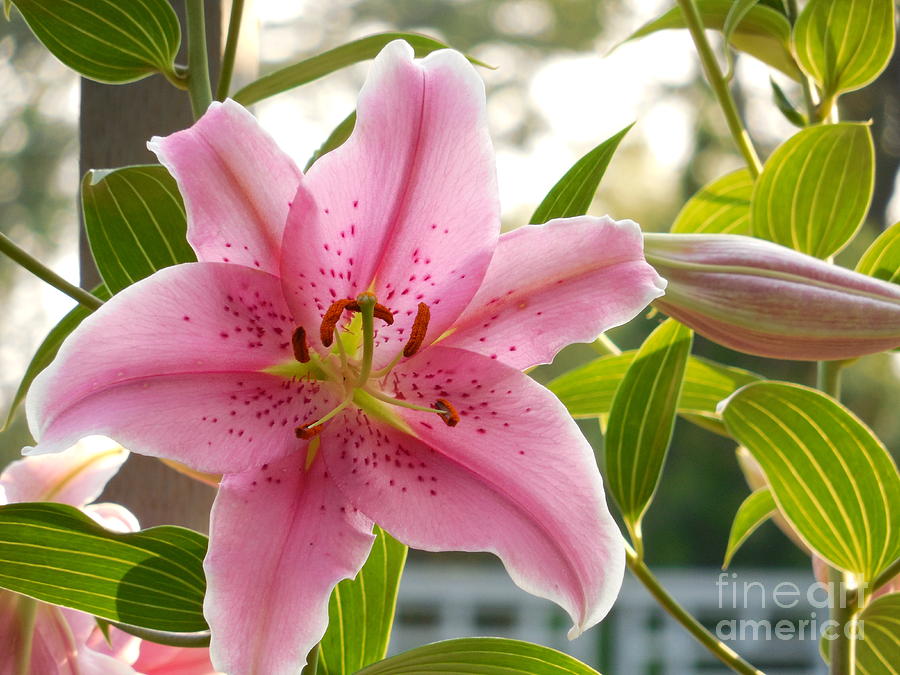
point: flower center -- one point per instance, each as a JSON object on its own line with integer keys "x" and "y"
{"x": 349, "y": 363}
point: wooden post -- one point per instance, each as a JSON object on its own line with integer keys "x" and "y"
{"x": 116, "y": 123}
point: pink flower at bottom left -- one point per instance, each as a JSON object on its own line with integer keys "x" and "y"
{"x": 64, "y": 641}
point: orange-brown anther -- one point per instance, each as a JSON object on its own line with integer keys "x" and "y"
{"x": 447, "y": 412}
{"x": 329, "y": 321}
{"x": 306, "y": 433}
{"x": 419, "y": 328}
{"x": 298, "y": 342}
{"x": 381, "y": 312}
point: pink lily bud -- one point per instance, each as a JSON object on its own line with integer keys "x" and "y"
{"x": 761, "y": 298}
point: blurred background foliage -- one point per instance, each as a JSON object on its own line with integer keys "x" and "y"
{"x": 555, "y": 94}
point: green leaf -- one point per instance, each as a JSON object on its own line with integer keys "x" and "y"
{"x": 361, "y": 610}
{"x": 642, "y": 416}
{"x": 736, "y": 14}
{"x": 878, "y": 646}
{"x": 573, "y": 193}
{"x": 815, "y": 189}
{"x": 721, "y": 207}
{"x": 480, "y": 656}
{"x": 334, "y": 59}
{"x": 46, "y": 352}
{"x": 588, "y": 391}
{"x": 831, "y": 477}
{"x": 762, "y": 32}
{"x": 57, "y": 554}
{"x": 882, "y": 259}
{"x": 105, "y": 40}
{"x": 791, "y": 114}
{"x": 336, "y": 139}
{"x": 844, "y": 44}
{"x": 753, "y": 512}
{"x": 135, "y": 223}
{"x": 739, "y": 9}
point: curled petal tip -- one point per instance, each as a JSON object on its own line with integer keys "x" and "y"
{"x": 575, "y": 631}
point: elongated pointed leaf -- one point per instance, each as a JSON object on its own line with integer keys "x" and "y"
{"x": 737, "y": 13}
{"x": 57, "y": 554}
{"x": 721, "y": 207}
{"x": 753, "y": 512}
{"x": 844, "y": 44}
{"x": 46, "y": 352}
{"x": 334, "y": 59}
{"x": 573, "y": 193}
{"x": 882, "y": 259}
{"x": 642, "y": 417}
{"x": 361, "y": 611}
{"x": 832, "y": 478}
{"x": 588, "y": 391}
{"x": 791, "y": 114}
{"x": 335, "y": 139}
{"x": 105, "y": 40}
{"x": 480, "y": 656}
{"x": 815, "y": 189}
{"x": 762, "y": 32}
{"x": 135, "y": 223}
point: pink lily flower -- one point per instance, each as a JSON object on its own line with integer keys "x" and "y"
{"x": 65, "y": 641}
{"x": 349, "y": 350}
{"x": 150, "y": 658}
{"x": 59, "y": 636}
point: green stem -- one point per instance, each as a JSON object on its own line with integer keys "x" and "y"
{"x": 604, "y": 346}
{"x": 805, "y": 82}
{"x": 27, "y": 613}
{"x": 887, "y": 575}
{"x": 721, "y": 651}
{"x": 231, "y": 43}
{"x": 828, "y": 377}
{"x": 720, "y": 86}
{"x": 198, "y": 64}
{"x": 198, "y": 639}
{"x": 312, "y": 662}
{"x": 841, "y": 648}
{"x": 44, "y": 273}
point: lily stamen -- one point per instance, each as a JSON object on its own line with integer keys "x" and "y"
{"x": 380, "y": 311}
{"x": 329, "y": 321}
{"x": 308, "y": 431}
{"x": 298, "y": 342}
{"x": 443, "y": 412}
{"x": 447, "y": 412}
{"x": 418, "y": 330}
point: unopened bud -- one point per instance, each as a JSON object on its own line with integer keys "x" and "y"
{"x": 761, "y": 298}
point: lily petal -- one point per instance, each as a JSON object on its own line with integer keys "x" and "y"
{"x": 76, "y": 476}
{"x": 409, "y": 203}
{"x": 57, "y": 648}
{"x": 515, "y": 477}
{"x": 236, "y": 185}
{"x": 554, "y": 284}
{"x": 280, "y": 540}
{"x": 158, "y": 659}
{"x": 172, "y": 367}
{"x": 113, "y": 517}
